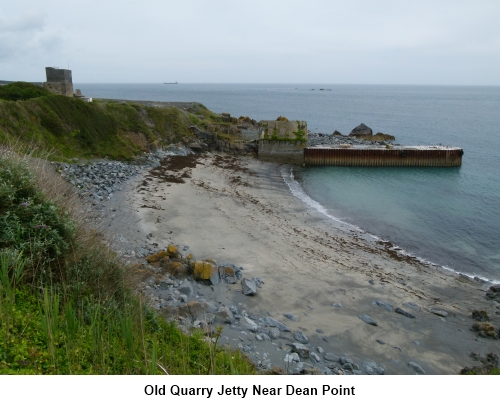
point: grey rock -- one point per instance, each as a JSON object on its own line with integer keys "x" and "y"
{"x": 373, "y": 368}
{"x": 224, "y": 315}
{"x": 371, "y": 282}
{"x": 416, "y": 342}
{"x": 438, "y": 312}
{"x": 347, "y": 366}
{"x": 320, "y": 349}
{"x": 291, "y": 357}
{"x": 415, "y": 367}
{"x": 247, "y": 323}
{"x": 186, "y": 288}
{"x": 315, "y": 357}
{"x": 248, "y": 286}
{"x": 381, "y": 342}
{"x": 412, "y": 305}
{"x": 367, "y": 319}
{"x": 320, "y": 331}
{"x": 361, "y": 130}
{"x": 258, "y": 281}
{"x": 273, "y": 322}
{"x": 259, "y": 338}
{"x": 327, "y": 371}
{"x": 301, "y": 349}
{"x": 300, "y": 337}
{"x": 337, "y": 305}
{"x": 290, "y": 316}
{"x": 331, "y": 357}
{"x": 385, "y": 305}
{"x": 274, "y": 333}
{"x": 404, "y": 313}
{"x": 345, "y": 359}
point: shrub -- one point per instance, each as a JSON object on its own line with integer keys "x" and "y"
{"x": 22, "y": 91}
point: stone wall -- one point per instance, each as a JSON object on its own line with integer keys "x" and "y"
{"x": 283, "y": 129}
{"x": 291, "y": 152}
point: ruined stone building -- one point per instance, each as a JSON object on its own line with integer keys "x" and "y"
{"x": 59, "y": 81}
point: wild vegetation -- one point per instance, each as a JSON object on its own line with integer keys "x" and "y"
{"x": 66, "y": 302}
{"x": 70, "y": 127}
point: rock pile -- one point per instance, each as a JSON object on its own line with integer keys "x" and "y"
{"x": 337, "y": 138}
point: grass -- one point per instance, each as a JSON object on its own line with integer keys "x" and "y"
{"x": 66, "y": 302}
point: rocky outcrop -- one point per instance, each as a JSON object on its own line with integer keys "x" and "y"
{"x": 362, "y": 131}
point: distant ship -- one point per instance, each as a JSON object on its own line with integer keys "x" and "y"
{"x": 171, "y": 83}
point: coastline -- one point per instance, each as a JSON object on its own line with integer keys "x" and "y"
{"x": 239, "y": 210}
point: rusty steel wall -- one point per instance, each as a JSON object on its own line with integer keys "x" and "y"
{"x": 383, "y": 157}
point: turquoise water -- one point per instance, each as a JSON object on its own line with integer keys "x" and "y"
{"x": 449, "y": 216}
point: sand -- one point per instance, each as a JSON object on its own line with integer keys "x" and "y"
{"x": 241, "y": 211}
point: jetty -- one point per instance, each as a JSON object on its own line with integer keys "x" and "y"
{"x": 373, "y": 155}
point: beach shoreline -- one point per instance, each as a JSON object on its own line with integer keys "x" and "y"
{"x": 240, "y": 210}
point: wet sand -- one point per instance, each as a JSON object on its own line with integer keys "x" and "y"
{"x": 240, "y": 211}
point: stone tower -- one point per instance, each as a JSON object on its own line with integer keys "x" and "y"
{"x": 59, "y": 81}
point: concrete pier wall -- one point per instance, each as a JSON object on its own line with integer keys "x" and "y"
{"x": 282, "y": 151}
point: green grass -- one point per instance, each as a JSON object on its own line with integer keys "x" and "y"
{"x": 66, "y": 304}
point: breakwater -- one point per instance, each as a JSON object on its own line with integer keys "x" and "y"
{"x": 401, "y": 156}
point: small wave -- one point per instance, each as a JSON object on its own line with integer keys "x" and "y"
{"x": 296, "y": 189}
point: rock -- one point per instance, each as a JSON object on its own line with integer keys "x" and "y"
{"x": 320, "y": 330}
{"x": 327, "y": 371}
{"x": 345, "y": 359}
{"x": 361, "y": 131}
{"x": 381, "y": 342}
{"x": 320, "y": 349}
{"x": 371, "y": 282}
{"x": 331, "y": 357}
{"x": 337, "y": 305}
{"x": 315, "y": 357}
{"x": 273, "y": 322}
{"x": 412, "y": 305}
{"x": 186, "y": 289}
{"x": 248, "y": 286}
{"x": 373, "y": 368}
{"x": 380, "y": 137}
{"x": 415, "y": 367}
{"x": 301, "y": 349}
{"x": 404, "y": 313}
{"x": 258, "y": 281}
{"x": 274, "y": 333}
{"x": 438, "y": 312}
{"x": 248, "y": 324}
{"x": 367, "y": 319}
{"x": 495, "y": 288}
{"x": 195, "y": 309}
{"x": 485, "y": 329}
{"x": 347, "y": 366}
{"x": 337, "y": 133}
{"x": 291, "y": 357}
{"x": 206, "y": 271}
{"x": 481, "y": 316}
{"x": 259, "y": 338}
{"x": 224, "y": 315}
{"x": 385, "y": 305}
{"x": 290, "y": 316}
{"x": 300, "y": 337}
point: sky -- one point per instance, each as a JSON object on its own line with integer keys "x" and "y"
{"x": 424, "y": 42}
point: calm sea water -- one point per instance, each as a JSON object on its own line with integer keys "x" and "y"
{"x": 449, "y": 216}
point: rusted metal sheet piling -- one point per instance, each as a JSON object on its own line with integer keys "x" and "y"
{"x": 403, "y": 156}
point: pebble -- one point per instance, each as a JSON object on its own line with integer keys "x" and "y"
{"x": 300, "y": 337}
{"x": 381, "y": 342}
{"x": 367, "y": 319}
{"x": 290, "y": 316}
{"x": 415, "y": 367}
{"x": 337, "y": 305}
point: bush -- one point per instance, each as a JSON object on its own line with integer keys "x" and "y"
{"x": 22, "y": 91}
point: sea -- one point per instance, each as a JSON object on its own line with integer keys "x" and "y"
{"x": 446, "y": 216}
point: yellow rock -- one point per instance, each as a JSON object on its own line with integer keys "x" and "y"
{"x": 172, "y": 267}
{"x": 156, "y": 257}
{"x": 205, "y": 271}
{"x": 171, "y": 250}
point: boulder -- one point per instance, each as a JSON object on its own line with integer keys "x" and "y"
{"x": 224, "y": 315}
{"x": 367, "y": 319}
{"x": 361, "y": 131}
{"x": 277, "y": 324}
{"x": 196, "y": 309}
{"x": 248, "y": 286}
{"x": 248, "y": 324}
{"x": 274, "y": 333}
{"x": 301, "y": 349}
{"x": 206, "y": 271}
{"x": 481, "y": 316}
{"x": 300, "y": 337}
{"x": 380, "y": 137}
{"x": 485, "y": 330}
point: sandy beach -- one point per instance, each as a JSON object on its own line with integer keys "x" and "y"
{"x": 240, "y": 210}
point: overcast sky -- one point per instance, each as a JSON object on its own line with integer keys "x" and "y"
{"x": 230, "y": 41}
